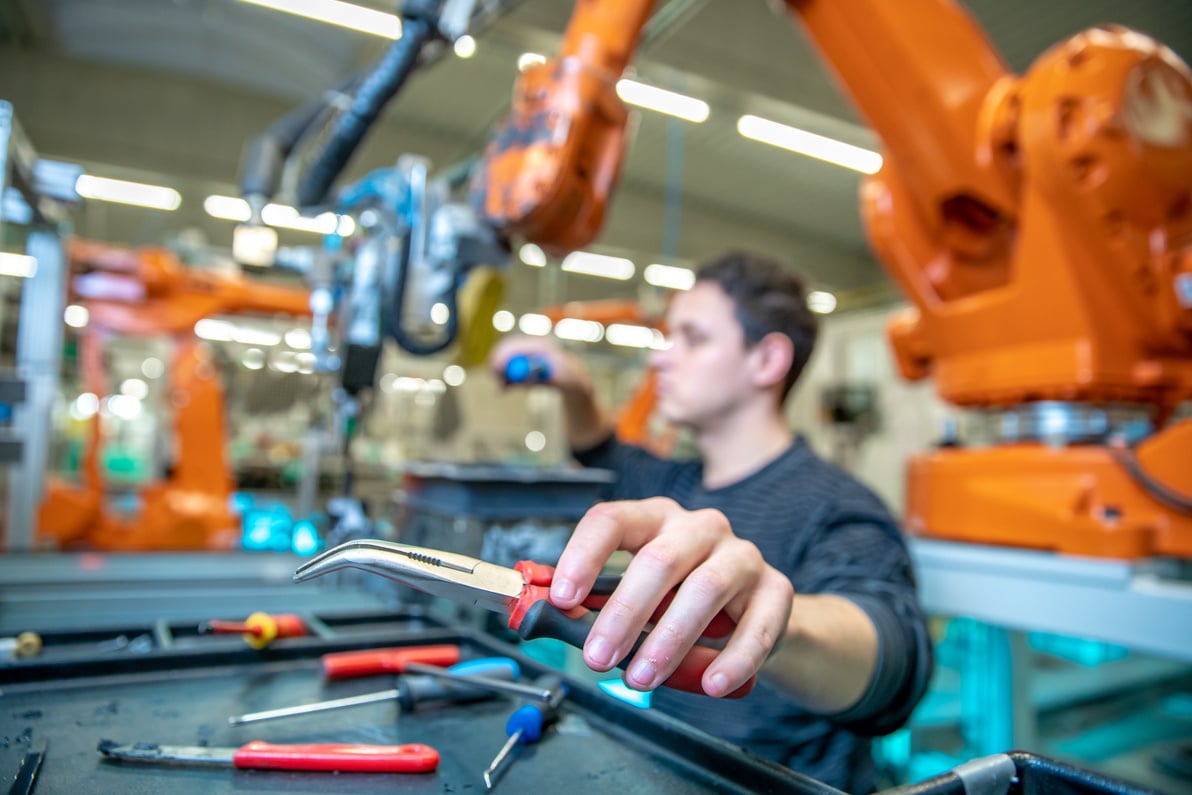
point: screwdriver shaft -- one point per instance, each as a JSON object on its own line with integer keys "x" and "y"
{"x": 305, "y": 709}
{"x": 494, "y": 767}
{"x": 482, "y": 682}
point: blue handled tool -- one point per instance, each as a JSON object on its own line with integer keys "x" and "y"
{"x": 412, "y": 690}
{"x": 527, "y": 723}
{"x": 527, "y": 368}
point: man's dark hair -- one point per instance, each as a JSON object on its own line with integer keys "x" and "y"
{"x": 768, "y": 297}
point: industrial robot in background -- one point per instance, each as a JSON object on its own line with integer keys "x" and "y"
{"x": 1041, "y": 225}
{"x": 149, "y": 292}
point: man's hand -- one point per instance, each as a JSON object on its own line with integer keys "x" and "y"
{"x": 587, "y": 422}
{"x": 695, "y": 551}
{"x": 566, "y": 372}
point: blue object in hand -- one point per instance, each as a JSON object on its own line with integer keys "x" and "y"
{"x": 527, "y": 368}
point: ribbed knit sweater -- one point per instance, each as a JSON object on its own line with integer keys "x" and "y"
{"x": 829, "y": 534}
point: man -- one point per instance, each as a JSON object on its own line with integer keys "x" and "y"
{"x": 806, "y": 560}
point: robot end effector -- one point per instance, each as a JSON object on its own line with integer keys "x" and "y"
{"x": 398, "y": 272}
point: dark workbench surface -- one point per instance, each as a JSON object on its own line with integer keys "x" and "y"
{"x": 180, "y": 690}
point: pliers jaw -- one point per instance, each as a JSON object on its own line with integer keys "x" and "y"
{"x": 450, "y": 575}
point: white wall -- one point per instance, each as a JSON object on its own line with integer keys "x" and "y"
{"x": 852, "y": 348}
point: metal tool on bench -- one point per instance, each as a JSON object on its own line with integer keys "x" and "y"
{"x": 411, "y": 690}
{"x": 413, "y": 660}
{"x": 526, "y": 724}
{"x": 520, "y": 593}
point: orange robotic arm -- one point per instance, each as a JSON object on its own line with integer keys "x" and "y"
{"x": 148, "y": 292}
{"x": 552, "y": 164}
{"x": 1041, "y": 224}
{"x": 1042, "y": 227}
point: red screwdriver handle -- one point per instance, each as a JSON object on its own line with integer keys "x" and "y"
{"x": 721, "y": 625}
{"x": 370, "y": 662}
{"x": 338, "y": 757}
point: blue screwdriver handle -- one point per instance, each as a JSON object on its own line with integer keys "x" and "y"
{"x": 527, "y": 368}
{"x": 531, "y": 719}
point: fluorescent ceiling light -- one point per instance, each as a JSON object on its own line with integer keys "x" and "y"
{"x": 283, "y": 216}
{"x": 671, "y": 276}
{"x": 253, "y": 336}
{"x": 465, "y": 46}
{"x": 289, "y": 218}
{"x": 534, "y": 324}
{"x": 334, "y": 12}
{"x": 122, "y": 191}
{"x": 227, "y": 208}
{"x": 298, "y": 338}
{"x": 76, "y": 316}
{"x": 528, "y": 59}
{"x": 20, "y": 265}
{"x": 214, "y": 330}
{"x": 503, "y": 320}
{"x": 223, "y": 331}
{"x": 598, "y": 265}
{"x": 662, "y": 101}
{"x": 532, "y": 255}
{"x": 572, "y": 328}
{"x": 629, "y": 336}
{"x": 808, "y": 143}
{"x": 821, "y": 302}
{"x": 134, "y": 387}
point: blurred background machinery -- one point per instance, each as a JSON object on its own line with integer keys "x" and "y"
{"x": 1033, "y": 209}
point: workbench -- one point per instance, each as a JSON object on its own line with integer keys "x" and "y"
{"x": 170, "y": 685}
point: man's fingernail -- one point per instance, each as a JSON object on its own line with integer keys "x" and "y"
{"x": 600, "y": 651}
{"x": 717, "y": 685}
{"x": 641, "y": 674}
{"x": 563, "y": 590}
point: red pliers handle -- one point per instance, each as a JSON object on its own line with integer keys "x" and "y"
{"x": 535, "y": 617}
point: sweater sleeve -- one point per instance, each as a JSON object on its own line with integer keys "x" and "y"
{"x": 861, "y": 556}
{"x": 640, "y": 474}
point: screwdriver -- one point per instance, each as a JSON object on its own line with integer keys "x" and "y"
{"x": 329, "y": 757}
{"x": 370, "y": 662}
{"x": 410, "y": 690}
{"x": 525, "y": 725}
{"x": 259, "y": 629}
{"x": 527, "y": 368}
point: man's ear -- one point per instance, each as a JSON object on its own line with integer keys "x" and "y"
{"x": 773, "y": 355}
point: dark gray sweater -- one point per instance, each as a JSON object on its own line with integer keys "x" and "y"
{"x": 828, "y": 534}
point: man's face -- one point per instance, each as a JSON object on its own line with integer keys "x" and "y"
{"x": 702, "y": 375}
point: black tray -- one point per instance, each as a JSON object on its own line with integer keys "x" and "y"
{"x": 177, "y": 689}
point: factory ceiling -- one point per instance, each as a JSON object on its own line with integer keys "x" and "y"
{"x": 168, "y": 91}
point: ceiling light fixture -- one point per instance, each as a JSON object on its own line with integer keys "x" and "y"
{"x": 283, "y": 216}
{"x": 503, "y": 320}
{"x": 808, "y": 143}
{"x": 573, "y": 328}
{"x": 629, "y": 336}
{"x": 662, "y": 101}
{"x": 528, "y": 59}
{"x": 465, "y": 46}
{"x": 20, "y": 265}
{"x": 671, "y": 276}
{"x": 821, "y": 302}
{"x": 598, "y": 265}
{"x": 334, "y": 12}
{"x": 534, "y": 324}
{"x": 532, "y": 255}
{"x": 137, "y": 194}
